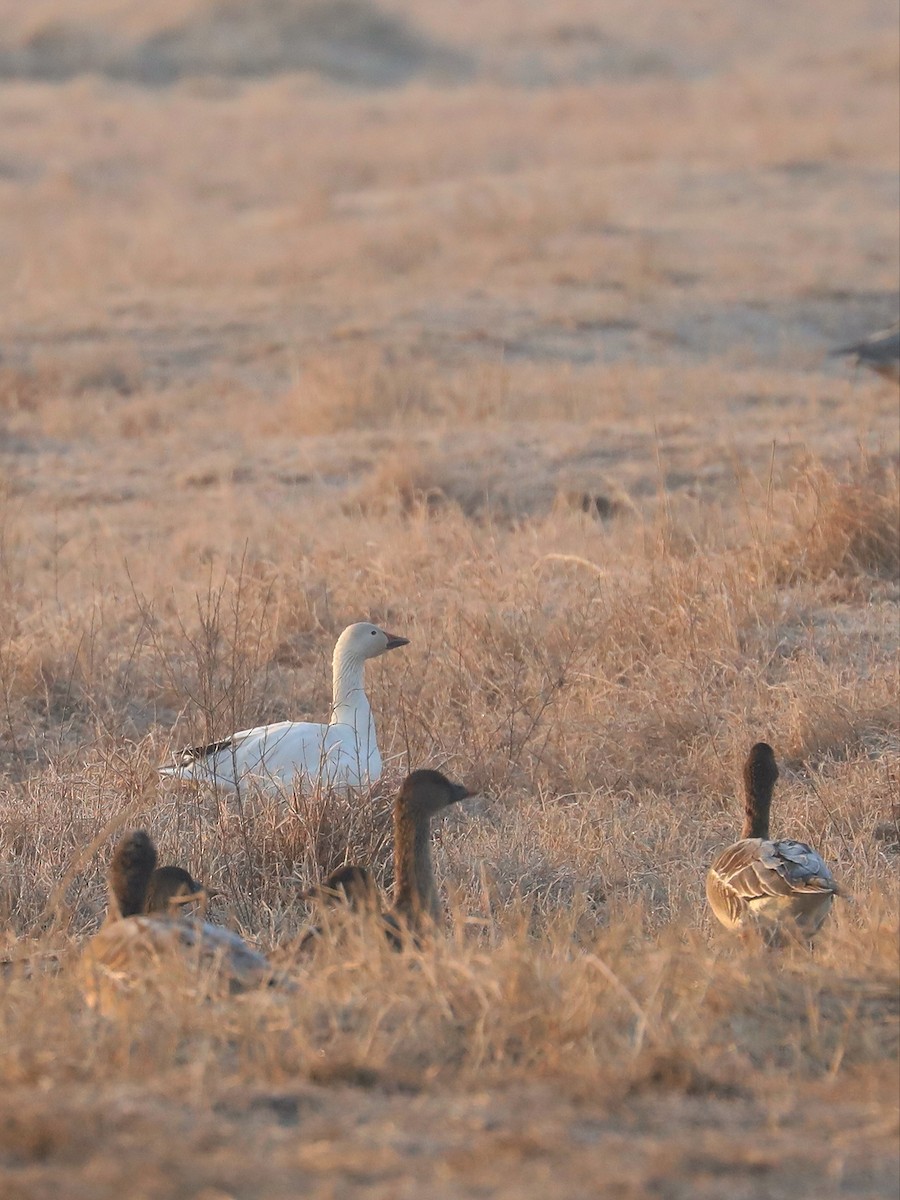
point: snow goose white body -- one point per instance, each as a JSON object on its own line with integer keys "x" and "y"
{"x": 275, "y": 758}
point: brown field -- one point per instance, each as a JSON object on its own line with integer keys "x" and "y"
{"x": 507, "y": 326}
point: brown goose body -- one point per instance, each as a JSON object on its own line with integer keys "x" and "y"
{"x": 186, "y": 945}
{"x": 349, "y": 885}
{"x": 349, "y": 889}
{"x": 136, "y": 950}
{"x": 770, "y": 884}
{"x": 775, "y": 886}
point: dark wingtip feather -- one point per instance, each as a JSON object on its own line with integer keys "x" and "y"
{"x": 192, "y": 754}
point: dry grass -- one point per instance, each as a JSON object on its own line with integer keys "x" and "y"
{"x": 847, "y": 527}
{"x": 502, "y": 360}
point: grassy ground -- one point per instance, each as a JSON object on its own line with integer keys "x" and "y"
{"x": 505, "y": 326}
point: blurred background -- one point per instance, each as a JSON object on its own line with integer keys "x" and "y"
{"x": 506, "y": 324}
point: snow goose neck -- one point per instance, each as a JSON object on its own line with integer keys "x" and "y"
{"x": 137, "y": 949}
{"x": 777, "y": 887}
{"x": 342, "y": 754}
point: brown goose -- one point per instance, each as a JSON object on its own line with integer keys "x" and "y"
{"x": 134, "y": 942}
{"x": 349, "y": 885}
{"x": 347, "y": 889}
{"x": 417, "y": 905}
{"x": 880, "y": 352}
{"x": 777, "y": 887}
{"x": 422, "y": 796}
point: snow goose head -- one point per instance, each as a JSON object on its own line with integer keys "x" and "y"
{"x": 362, "y": 641}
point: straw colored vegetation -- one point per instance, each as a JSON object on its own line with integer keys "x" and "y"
{"x": 505, "y": 327}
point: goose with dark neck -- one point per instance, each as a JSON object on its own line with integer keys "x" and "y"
{"x": 423, "y": 795}
{"x": 135, "y": 947}
{"x": 779, "y": 887}
{"x": 416, "y": 905}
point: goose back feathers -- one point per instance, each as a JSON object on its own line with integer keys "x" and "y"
{"x": 349, "y": 885}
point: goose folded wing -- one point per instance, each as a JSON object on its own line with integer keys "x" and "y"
{"x": 193, "y": 754}
{"x": 755, "y": 870}
{"x": 226, "y": 747}
{"x": 226, "y": 950}
{"x": 121, "y": 947}
{"x": 800, "y": 867}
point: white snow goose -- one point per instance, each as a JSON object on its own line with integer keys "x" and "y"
{"x": 781, "y": 887}
{"x": 342, "y": 755}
